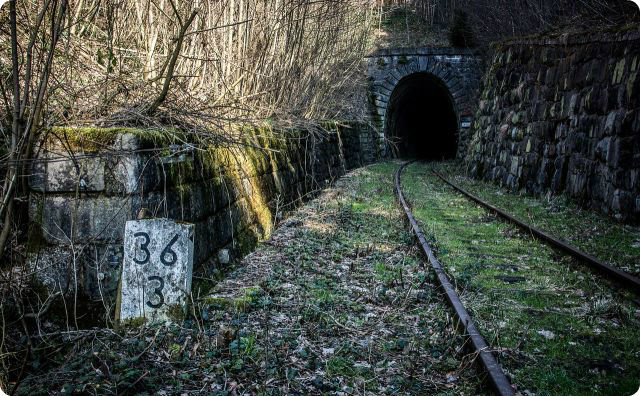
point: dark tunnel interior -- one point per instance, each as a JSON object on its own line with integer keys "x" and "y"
{"x": 421, "y": 119}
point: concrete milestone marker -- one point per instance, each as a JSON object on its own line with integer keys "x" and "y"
{"x": 157, "y": 269}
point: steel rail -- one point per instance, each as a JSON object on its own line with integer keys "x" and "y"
{"x": 630, "y": 281}
{"x": 497, "y": 377}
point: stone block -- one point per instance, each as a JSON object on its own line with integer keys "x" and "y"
{"x": 561, "y": 131}
{"x": 602, "y": 148}
{"x": 630, "y": 124}
{"x": 529, "y": 146}
{"x": 157, "y": 270}
{"x": 65, "y": 219}
{"x": 53, "y": 267}
{"x": 515, "y": 165}
{"x": 622, "y": 201}
{"x": 131, "y": 174}
{"x": 577, "y": 184}
{"x": 101, "y": 271}
{"x": 559, "y": 176}
{"x": 203, "y": 241}
{"x": 613, "y": 154}
{"x": 549, "y": 150}
{"x": 618, "y": 72}
{"x": 632, "y": 89}
{"x": 574, "y": 103}
{"x": 57, "y": 172}
{"x": 97, "y": 269}
{"x": 615, "y": 98}
{"x": 545, "y": 173}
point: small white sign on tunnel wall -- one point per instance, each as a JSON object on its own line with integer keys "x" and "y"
{"x": 465, "y": 124}
{"x": 157, "y": 269}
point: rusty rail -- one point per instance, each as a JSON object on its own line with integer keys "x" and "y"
{"x": 624, "y": 278}
{"x": 497, "y": 377}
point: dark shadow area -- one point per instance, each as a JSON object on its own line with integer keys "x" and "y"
{"x": 421, "y": 119}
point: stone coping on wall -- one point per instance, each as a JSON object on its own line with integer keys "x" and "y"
{"x": 574, "y": 38}
{"x": 418, "y": 51}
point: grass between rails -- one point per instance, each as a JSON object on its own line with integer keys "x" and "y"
{"x": 558, "y": 328}
{"x": 595, "y": 233}
{"x": 336, "y": 302}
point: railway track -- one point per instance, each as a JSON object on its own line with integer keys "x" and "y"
{"x": 496, "y": 375}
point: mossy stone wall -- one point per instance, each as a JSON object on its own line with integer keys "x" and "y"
{"x": 560, "y": 114}
{"x": 89, "y": 182}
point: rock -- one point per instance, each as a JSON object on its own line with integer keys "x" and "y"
{"x": 328, "y": 351}
{"x": 224, "y": 256}
{"x": 547, "y": 334}
{"x": 291, "y": 222}
{"x": 612, "y": 124}
{"x": 602, "y": 149}
{"x": 55, "y": 175}
{"x": 90, "y": 219}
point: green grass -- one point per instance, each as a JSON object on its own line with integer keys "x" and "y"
{"x": 595, "y": 342}
{"x": 589, "y": 230}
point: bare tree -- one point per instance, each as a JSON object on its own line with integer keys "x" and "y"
{"x": 29, "y": 91}
{"x": 498, "y": 19}
{"x": 163, "y": 62}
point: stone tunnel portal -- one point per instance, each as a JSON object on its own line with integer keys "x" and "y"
{"x": 421, "y": 119}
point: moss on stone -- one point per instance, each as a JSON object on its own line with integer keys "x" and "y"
{"x": 180, "y": 173}
{"x": 133, "y": 323}
{"x": 618, "y": 72}
{"x": 94, "y": 139}
{"x": 242, "y": 303}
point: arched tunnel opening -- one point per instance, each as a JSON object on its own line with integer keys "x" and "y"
{"x": 421, "y": 119}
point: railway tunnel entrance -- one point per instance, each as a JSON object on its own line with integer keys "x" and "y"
{"x": 421, "y": 119}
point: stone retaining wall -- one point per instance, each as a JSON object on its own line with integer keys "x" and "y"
{"x": 560, "y": 115}
{"x": 81, "y": 201}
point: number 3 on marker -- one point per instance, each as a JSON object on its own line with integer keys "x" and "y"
{"x": 157, "y": 291}
{"x": 144, "y": 246}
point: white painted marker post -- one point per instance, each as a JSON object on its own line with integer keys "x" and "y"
{"x": 157, "y": 269}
